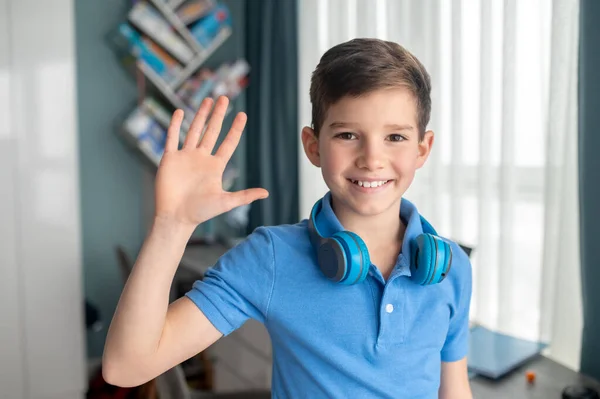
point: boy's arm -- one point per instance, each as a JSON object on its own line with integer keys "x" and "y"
{"x": 147, "y": 336}
{"x": 455, "y": 380}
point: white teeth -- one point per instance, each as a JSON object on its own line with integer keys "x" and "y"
{"x": 371, "y": 184}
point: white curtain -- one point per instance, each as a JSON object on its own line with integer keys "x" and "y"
{"x": 502, "y": 177}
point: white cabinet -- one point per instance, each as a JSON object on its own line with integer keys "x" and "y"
{"x": 11, "y": 342}
{"x": 42, "y": 352}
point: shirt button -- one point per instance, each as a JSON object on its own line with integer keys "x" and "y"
{"x": 389, "y": 308}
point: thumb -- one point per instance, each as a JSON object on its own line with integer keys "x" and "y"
{"x": 245, "y": 197}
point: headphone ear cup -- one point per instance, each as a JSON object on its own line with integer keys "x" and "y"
{"x": 332, "y": 259}
{"x": 357, "y": 257}
{"x": 444, "y": 260}
{"x": 422, "y": 261}
{"x": 430, "y": 259}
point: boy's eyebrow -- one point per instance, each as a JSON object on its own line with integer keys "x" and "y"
{"x": 392, "y": 126}
{"x": 342, "y": 124}
{"x": 398, "y": 127}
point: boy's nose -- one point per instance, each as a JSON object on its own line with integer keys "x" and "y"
{"x": 371, "y": 157}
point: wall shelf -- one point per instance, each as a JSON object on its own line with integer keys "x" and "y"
{"x": 169, "y": 57}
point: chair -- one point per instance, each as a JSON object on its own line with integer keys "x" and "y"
{"x": 467, "y": 249}
{"x": 125, "y": 264}
{"x": 173, "y": 385}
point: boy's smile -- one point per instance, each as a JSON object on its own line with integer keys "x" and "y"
{"x": 368, "y": 150}
{"x": 369, "y": 186}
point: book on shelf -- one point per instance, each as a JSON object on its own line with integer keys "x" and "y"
{"x": 146, "y": 134}
{"x": 149, "y": 135}
{"x": 172, "y": 65}
{"x": 232, "y": 78}
{"x": 192, "y": 10}
{"x": 228, "y": 80}
{"x": 208, "y": 27}
{"x": 148, "y": 52}
{"x": 157, "y": 111}
{"x": 174, "y": 3}
{"x": 151, "y": 22}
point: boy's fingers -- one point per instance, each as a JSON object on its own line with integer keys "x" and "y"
{"x": 172, "y": 141}
{"x": 231, "y": 141}
{"x": 211, "y": 135}
{"x": 245, "y": 197}
{"x": 193, "y": 135}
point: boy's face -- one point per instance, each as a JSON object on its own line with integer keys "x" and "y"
{"x": 368, "y": 150}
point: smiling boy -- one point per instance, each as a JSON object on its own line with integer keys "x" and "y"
{"x": 378, "y": 311}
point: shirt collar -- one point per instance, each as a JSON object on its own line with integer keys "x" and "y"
{"x": 329, "y": 224}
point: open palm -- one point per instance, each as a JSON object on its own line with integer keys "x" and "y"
{"x": 189, "y": 183}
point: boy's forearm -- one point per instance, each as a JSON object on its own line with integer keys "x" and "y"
{"x": 137, "y": 325}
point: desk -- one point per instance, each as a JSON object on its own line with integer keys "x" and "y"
{"x": 198, "y": 258}
{"x": 551, "y": 379}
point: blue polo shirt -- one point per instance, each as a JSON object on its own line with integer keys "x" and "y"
{"x": 376, "y": 339}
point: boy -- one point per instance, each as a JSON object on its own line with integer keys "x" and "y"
{"x": 368, "y": 324}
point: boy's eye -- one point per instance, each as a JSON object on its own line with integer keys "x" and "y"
{"x": 396, "y": 137}
{"x": 346, "y": 136}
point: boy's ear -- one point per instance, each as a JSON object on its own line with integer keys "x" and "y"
{"x": 425, "y": 148}
{"x": 310, "y": 142}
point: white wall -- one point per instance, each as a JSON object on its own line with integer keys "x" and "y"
{"x": 41, "y": 301}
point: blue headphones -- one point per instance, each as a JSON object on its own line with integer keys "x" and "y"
{"x": 344, "y": 257}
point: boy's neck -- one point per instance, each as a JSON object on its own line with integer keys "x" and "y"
{"x": 385, "y": 230}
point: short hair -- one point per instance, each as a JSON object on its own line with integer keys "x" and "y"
{"x": 363, "y": 65}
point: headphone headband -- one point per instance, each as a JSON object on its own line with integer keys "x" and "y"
{"x": 318, "y": 206}
{"x": 427, "y": 227}
{"x": 317, "y": 238}
{"x": 344, "y": 256}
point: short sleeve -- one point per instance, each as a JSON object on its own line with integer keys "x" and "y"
{"x": 239, "y": 285}
{"x": 456, "y": 346}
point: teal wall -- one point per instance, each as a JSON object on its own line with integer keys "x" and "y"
{"x": 589, "y": 177}
{"x": 111, "y": 176}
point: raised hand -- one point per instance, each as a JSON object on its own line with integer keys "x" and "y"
{"x": 189, "y": 182}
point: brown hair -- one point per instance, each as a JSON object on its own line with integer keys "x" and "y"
{"x": 360, "y": 66}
